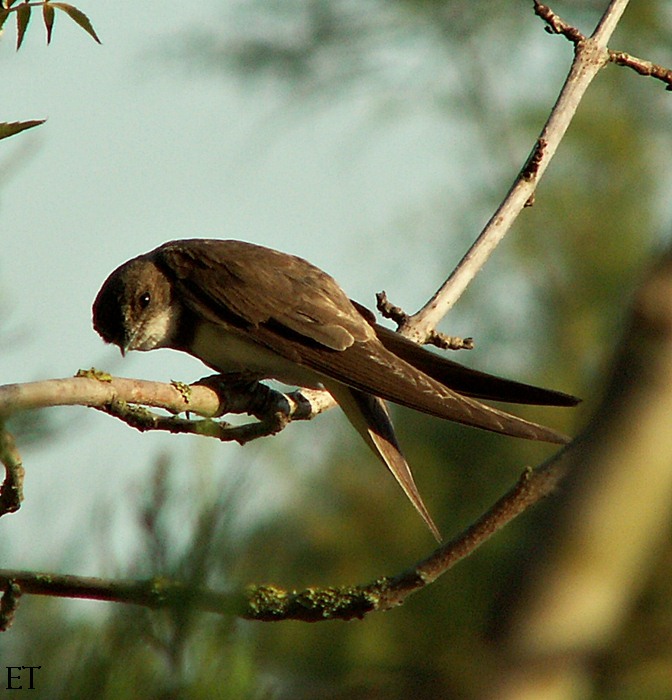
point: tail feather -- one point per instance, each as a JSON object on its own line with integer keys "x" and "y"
{"x": 369, "y": 415}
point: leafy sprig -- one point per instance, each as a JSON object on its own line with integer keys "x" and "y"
{"x": 10, "y": 128}
{"x": 23, "y": 11}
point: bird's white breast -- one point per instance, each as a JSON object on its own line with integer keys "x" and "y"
{"x": 226, "y": 351}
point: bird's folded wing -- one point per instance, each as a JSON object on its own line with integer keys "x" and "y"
{"x": 467, "y": 381}
{"x": 299, "y": 312}
{"x": 369, "y": 416}
{"x": 371, "y": 368}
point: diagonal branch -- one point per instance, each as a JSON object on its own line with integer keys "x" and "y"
{"x": 590, "y": 56}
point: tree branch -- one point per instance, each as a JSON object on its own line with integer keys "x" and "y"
{"x": 11, "y": 491}
{"x": 556, "y": 25}
{"x": 127, "y": 399}
{"x": 400, "y": 317}
{"x": 271, "y": 603}
{"x": 210, "y": 397}
{"x": 590, "y": 56}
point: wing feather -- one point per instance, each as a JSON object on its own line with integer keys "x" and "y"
{"x": 370, "y": 368}
{"x": 252, "y": 285}
{"x": 299, "y": 312}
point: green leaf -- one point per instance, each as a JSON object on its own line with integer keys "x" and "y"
{"x": 11, "y": 128}
{"x": 79, "y": 17}
{"x": 22, "y": 19}
{"x": 48, "y": 17}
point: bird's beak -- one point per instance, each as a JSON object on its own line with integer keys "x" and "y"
{"x": 128, "y": 342}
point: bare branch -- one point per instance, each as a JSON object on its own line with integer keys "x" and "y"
{"x": 440, "y": 340}
{"x": 209, "y": 397}
{"x": 142, "y": 419}
{"x": 590, "y": 56}
{"x": 557, "y": 25}
{"x": 9, "y": 602}
{"x": 639, "y": 65}
{"x": 99, "y": 389}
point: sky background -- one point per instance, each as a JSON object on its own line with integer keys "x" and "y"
{"x": 142, "y": 146}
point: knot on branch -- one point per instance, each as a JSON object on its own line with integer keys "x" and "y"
{"x": 432, "y": 337}
{"x": 11, "y": 491}
{"x": 9, "y": 602}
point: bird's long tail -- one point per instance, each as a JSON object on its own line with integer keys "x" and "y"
{"x": 369, "y": 415}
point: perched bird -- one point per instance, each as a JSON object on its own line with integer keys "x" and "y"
{"x": 245, "y": 309}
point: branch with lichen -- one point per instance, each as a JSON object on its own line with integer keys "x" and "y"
{"x": 271, "y": 603}
{"x": 129, "y": 399}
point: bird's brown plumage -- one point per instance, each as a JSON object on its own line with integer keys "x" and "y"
{"x": 284, "y": 318}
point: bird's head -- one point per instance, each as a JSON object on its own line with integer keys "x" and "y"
{"x": 134, "y": 308}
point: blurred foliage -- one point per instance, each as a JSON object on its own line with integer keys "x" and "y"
{"x": 569, "y": 266}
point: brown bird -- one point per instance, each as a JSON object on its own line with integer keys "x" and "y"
{"x": 245, "y": 309}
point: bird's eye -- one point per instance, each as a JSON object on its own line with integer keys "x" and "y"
{"x": 144, "y": 300}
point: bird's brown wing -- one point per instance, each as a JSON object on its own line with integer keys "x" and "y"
{"x": 464, "y": 380}
{"x": 369, "y": 415}
{"x": 249, "y": 285}
{"x": 371, "y": 368}
{"x": 286, "y": 304}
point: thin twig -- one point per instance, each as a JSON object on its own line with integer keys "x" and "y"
{"x": 639, "y": 65}
{"x": 440, "y": 340}
{"x": 556, "y": 25}
{"x": 143, "y": 419}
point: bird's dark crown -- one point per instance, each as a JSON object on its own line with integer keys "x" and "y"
{"x": 108, "y": 308}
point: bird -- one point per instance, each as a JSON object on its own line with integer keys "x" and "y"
{"x": 252, "y": 311}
